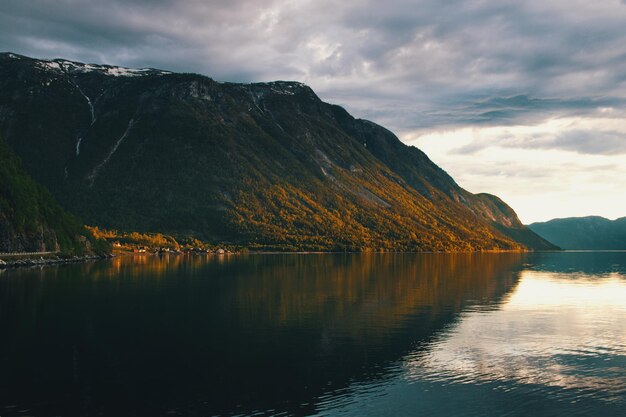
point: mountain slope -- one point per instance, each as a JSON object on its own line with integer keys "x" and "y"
{"x": 266, "y": 164}
{"x": 430, "y": 180}
{"x": 503, "y": 218}
{"x": 591, "y": 232}
{"x": 30, "y": 219}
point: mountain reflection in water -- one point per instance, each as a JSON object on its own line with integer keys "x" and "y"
{"x": 395, "y": 334}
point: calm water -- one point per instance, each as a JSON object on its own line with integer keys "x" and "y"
{"x": 433, "y": 334}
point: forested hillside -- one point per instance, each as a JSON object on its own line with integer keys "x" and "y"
{"x": 266, "y": 165}
{"x": 31, "y": 220}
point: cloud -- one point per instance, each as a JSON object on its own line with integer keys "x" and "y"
{"x": 600, "y": 133}
{"x": 545, "y": 180}
{"x": 580, "y": 141}
{"x": 591, "y": 142}
{"x": 520, "y": 109}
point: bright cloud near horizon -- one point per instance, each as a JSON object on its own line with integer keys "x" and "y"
{"x": 525, "y": 99}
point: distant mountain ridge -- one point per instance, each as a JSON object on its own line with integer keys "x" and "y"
{"x": 267, "y": 165}
{"x": 592, "y": 232}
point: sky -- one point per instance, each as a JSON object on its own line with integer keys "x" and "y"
{"x": 525, "y": 99}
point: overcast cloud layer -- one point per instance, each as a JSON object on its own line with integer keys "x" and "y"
{"x": 429, "y": 70}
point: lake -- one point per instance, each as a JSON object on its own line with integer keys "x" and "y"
{"x": 515, "y": 334}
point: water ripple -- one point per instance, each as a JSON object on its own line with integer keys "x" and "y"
{"x": 558, "y": 338}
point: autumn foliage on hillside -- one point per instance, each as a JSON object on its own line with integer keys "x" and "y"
{"x": 266, "y": 166}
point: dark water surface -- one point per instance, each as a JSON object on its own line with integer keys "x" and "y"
{"x": 382, "y": 334}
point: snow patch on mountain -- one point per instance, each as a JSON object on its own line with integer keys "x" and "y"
{"x": 76, "y": 67}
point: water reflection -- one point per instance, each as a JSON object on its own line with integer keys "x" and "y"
{"x": 312, "y": 334}
{"x": 554, "y": 346}
{"x": 586, "y": 262}
{"x": 553, "y": 331}
{"x": 192, "y": 334}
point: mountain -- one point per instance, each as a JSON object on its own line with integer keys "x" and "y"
{"x": 267, "y": 165}
{"x": 591, "y": 232}
{"x": 31, "y": 220}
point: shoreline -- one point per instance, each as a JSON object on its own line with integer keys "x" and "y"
{"x": 56, "y": 260}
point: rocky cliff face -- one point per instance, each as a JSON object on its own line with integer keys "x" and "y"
{"x": 39, "y": 240}
{"x": 265, "y": 164}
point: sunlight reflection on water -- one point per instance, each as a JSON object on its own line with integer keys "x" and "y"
{"x": 555, "y": 330}
{"x": 557, "y": 336}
